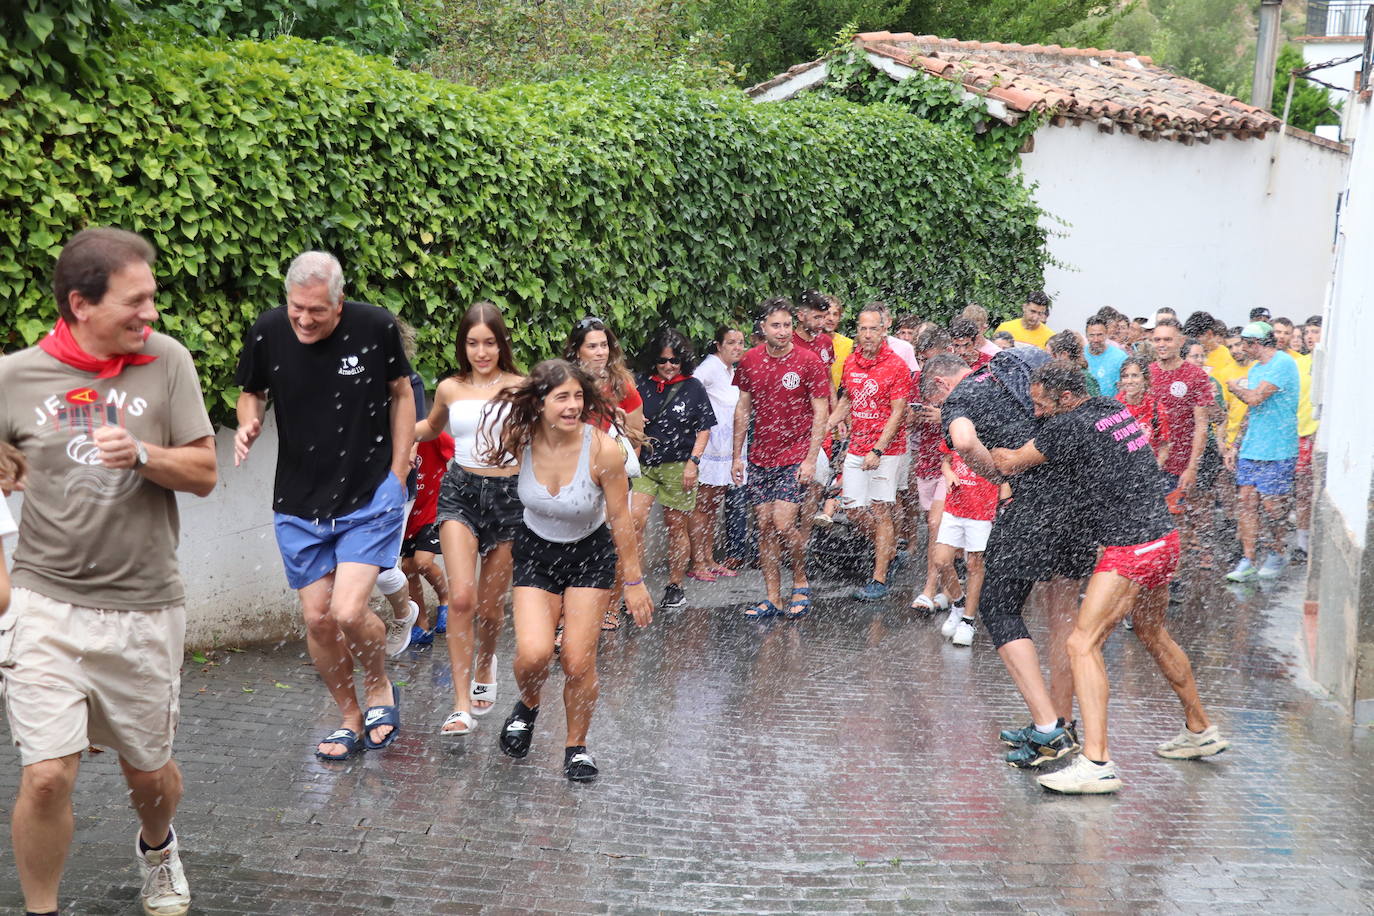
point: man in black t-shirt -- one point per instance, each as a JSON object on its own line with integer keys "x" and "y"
{"x": 1035, "y": 538}
{"x": 1104, "y": 454}
{"x": 340, "y": 383}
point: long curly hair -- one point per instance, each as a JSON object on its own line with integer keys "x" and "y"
{"x": 619, "y": 379}
{"x": 526, "y": 401}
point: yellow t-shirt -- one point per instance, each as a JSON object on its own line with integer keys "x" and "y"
{"x": 1225, "y": 368}
{"x": 843, "y": 347}
{"x": 1037, "y": 338}
{"x": 1307, "y": 422}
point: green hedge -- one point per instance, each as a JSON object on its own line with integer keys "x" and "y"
{"x": 640, "y": 202}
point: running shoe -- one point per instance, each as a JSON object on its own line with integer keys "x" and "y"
{"x": 963, "y": 633}
{"x": 1243, "y": 572}
{"x": 873, "y": 591}
{"x": 1272, "y": 567}
{"x": 1189, "y": 745}
{"x": 1042, "y": 747}
{"x": 441, "y": 619}
{"x": 1083, "y": 777}
{"x": 673, "y": 597}
{"x": 898, "y": 561}
{"x": 421, "y": 637}
{"x": 951, "y": 622}
{"x": 165, "y": 891}
{"x": 1015, "y": 737}
{"x": 398, "y": 630}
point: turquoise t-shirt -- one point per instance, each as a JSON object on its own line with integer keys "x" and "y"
{"x": 1106, "y": 368}
{"x": 1272, "y": 430}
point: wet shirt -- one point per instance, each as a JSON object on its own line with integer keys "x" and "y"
{"x": 90, "y": 535}
{"x": 1177, "y": 392}
{"x": 433, "y": 457}
{"x": 672, "y": 419}
{"x": 871, "y": 386}
{"x": 1152, "y": 419}
{"x": 1105, "y": 367}
{"x": 926, "y": 439}
{"x": 822, "y": 344}
{"x": 333, "y": 406}
{"x": 781, "y": 390}
{"x": 975, "y": 497}
{"x": 1104, "y": 455}
{"x": 1271, "y": 432}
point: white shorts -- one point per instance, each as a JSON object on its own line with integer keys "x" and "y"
{"x": 931, "y": 490}
{"x": 969, "y": 534}
{"x": 824, "y": 473}
{"x": 861, "y": 488}
{"x": 904, "y": 470}
{"x": 77, "y": 676}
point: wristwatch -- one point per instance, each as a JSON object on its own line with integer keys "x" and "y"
{"x": 141, "y": 458}
{"x": 877, "y": 451}
{"x": 695, "y": 459}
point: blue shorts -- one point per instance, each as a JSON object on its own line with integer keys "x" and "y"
{"x": 1270, "y": 478}
{"x": 313, "y": 548}
{"x": 773, "y": 485}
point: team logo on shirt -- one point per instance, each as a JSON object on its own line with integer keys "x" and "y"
{"x": 791, "y": 381}
{"x": 1178, "y": 389}
{"x": 348, "y": 365}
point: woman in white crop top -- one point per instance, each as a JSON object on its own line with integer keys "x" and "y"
{"x": 479, "y": 509}
{"x": 573, "y": 485}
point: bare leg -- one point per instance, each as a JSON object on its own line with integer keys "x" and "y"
{"x": 679, "y": 546}
{"x": 582, "y": 610}
{"x": 944, "y": 555}
{"x": 1148, "y": 618}
{"x": 937, "y": 511}
{"x": 785, "y": 520}
{"x": 41, "y": 829}
{"x": 1247, "y": 521}
{"x": 884, "y": 539}
{"x": 415, "y": 589}
{"x": 704, "y": 529}
{"x": 974, "y": 561}
{"x": 460, "y": 557}
{"x": 770, "y": 551}
{"x": 536, "y": 615}
{"x": 1023, "y": 664}
{"x": 1276, "y": 520}
{"x": 491, "y": 611}
{"x": 1110, "y": 597}
{"x": 155, "y": 795}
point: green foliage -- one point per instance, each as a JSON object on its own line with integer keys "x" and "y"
{"x": 1007, "y": 20}
{"x": 1311, "y": 105}
{"x": 492, "y": 42}
{"x": 765, "y": 37}
{"x": 639, "y": 201}
{"x": 52, "y": 39}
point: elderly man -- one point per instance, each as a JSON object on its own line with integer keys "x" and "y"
{"x": 110, "y": 419}
{"x": 340, "y": 493}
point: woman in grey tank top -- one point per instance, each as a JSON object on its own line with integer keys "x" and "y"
{"x": 573, "y": 486}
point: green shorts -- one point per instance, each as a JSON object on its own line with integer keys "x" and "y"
{"x": 664, "y": 483}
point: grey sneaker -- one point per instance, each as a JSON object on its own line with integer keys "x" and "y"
{"x": 1273, "y": 567}
{"x": 1189, "y": 745}
{"x": 398, "y": 630}
{"x": 1082, "y": 777}
{"x": 165, "y": 891}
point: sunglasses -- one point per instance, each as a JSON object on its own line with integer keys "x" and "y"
{"x": 675, "y": 360}
{"x": 591, "y": 321}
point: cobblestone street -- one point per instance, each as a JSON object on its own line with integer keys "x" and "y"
{"x": 846, "y": 762}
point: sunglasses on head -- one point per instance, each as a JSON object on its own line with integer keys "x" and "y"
{"x": 591, "y": 321}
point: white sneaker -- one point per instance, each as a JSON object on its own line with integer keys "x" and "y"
{"x": 398, "y": 631}
{"x": 1189, "y": 745}
{"x": 963, "y": 633}
{"x": 952, "y": 621}
{"x": 1083, "y": 777}
{"x": 165, "y": 891}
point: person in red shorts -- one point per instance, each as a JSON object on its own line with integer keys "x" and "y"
{"x": 421, "y": 542}
{"x": 1104, "y": 453}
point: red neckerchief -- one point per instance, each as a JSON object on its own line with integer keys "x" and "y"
{"x": 659, "y": 381}
{"x": 62, "y": 346}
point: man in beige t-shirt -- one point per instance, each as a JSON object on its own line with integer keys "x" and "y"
{"x": 110, "y": 419}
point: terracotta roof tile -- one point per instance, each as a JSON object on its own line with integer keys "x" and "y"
{"x": 1078, "y": 83}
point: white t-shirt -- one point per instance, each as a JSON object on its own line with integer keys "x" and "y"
{"x": 7, "y": 526}
{"x": 905, "y": 351}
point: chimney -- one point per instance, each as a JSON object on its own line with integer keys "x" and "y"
{"x": 1266, "y": 54}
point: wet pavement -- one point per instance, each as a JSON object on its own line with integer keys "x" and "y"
{"x": 848, "y": 762}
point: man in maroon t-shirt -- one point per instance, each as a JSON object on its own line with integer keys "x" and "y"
{"x": 876, "y": 387}
{"x": 813, "y": 314}
{"x": 1184, "y": 392}
{"x": 785, "y": 390}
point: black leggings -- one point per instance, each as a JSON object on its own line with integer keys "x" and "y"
{"x": 1000, "y": 607}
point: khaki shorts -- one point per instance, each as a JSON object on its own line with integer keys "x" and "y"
{"x": 664, "y": 483}
{"x": 77, "y": 676}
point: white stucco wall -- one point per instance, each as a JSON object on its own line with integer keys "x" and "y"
{"x": 1343, "y": 75}
{"x": 1193, "y": 227}
{"x": 1347, "y": 433}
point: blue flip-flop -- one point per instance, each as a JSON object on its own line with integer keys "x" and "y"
{"x": 764, "y": 608}
{"x": 345, "y": 736}
{"x": 804, "y": 601}
{"x": 377, "y": 716}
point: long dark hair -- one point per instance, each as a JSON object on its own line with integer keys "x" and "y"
{"x": 668, "y": 339}
{"x": 526, "y": 400}
{"x": 618, "y": 377}
{"x": 488, "y": 316}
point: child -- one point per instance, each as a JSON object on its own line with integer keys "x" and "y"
{"x": 421, "y": 542}
{"x": 970, "y": 506}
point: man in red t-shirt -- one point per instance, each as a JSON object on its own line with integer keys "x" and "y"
{"x": 813, "y": 314}
{"x": 876, "y": 386}
{"x": 1183, "y": 392}
{"x": 785, "y": 392}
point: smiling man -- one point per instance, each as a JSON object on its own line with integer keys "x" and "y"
{"x": 109, "y": 417}
{"x": 340, "y": 381}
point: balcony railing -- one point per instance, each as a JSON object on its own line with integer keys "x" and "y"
{"x": 1336, "y": 17}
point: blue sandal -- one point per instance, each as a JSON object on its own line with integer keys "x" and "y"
{"x": 804, "y": 602}
{"x": 764, "y": 608}
{"x": 377, "y": 716}
{"x": 345, "y": 736}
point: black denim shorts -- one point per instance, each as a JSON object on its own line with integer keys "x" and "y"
{"x": 489, "y": 507}
{"x": 555, "y": 567}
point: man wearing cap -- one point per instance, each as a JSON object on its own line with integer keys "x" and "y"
{"x": 1267, "y": 457}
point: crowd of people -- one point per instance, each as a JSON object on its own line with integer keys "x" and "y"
{"x": 1087, "y": 466}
